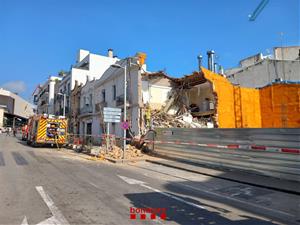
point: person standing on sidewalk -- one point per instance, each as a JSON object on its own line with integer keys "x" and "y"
{"x": 7, "y": 131}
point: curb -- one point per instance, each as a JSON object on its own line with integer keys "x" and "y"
{"x": 121, "y": 161}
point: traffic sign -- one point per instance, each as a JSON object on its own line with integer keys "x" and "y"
{"x": 112, "y": 110}
{"x": 125, "y": 125}
{"x": 112, "y": 115}
{"x": 112, "y": 120}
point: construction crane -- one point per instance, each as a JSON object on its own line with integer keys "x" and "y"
{"x": 258, "y": 10}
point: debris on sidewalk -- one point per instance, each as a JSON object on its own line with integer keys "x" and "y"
{"x": 164, "y": 120}
{"x": 117, "y": 153}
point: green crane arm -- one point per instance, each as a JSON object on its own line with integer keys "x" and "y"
{"x": 258, "y": 10}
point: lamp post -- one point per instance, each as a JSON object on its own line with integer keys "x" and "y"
{"x": 64, "y": 103}
{"x": 125, "y": 100}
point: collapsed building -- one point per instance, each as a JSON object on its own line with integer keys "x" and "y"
{"x": 203, "y": 99}
{"x": 178, "y": 102}
{"x": 207, "y": 99}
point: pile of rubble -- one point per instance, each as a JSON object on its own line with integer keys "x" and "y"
{"x": 179, "y": 113}
{"x": 117, "y": 153}
{"x": 164, "y": 120}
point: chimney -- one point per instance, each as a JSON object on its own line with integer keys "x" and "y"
{"x": 81, "y": 55}
{"x": 199, "y": 57}
{"x": 110, "y": 53}
{"x": 88, "y": 78}
{"x": 215, "y": 67}
{"x": 210, "y": 56}
{"x": 221, "y": 70}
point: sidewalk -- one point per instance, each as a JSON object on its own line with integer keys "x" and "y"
{"x": 234, "y": 175}
{"x": 222, "y": 173}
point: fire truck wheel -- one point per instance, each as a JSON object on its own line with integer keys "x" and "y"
{"x": 34, "y": 144}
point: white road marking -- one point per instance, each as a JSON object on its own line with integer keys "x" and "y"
{"x": 231, "y": 199}
{"x": 245, "y": 191}
{"x": 94, "y": 185}
{"x": 57, "y": 217}
{"x": 50, "y": 221}
{"x": 173, "y": 197}
{"x": 143, "y": 184}
{"x": 24, "y": 222}
{"x": 130, "y": 180}
{"x": 237, "y": 200}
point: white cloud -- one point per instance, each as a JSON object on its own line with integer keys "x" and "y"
{"x": 17, "y": 86}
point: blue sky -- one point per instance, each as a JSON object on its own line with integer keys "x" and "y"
{"x": 39, "y": 38}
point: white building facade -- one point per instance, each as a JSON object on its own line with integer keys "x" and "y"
{"x": 87, "y": 109}
{"x": 45, "y": 96}
{"x": 108, "y": 91}
{"x": 13, "y": 107}
{"x": 88, "y": 66}
{"x": 259, "y": 71}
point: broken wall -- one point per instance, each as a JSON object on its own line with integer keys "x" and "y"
{"x": 225, "y": 117}
{"x": 199, "y": 93}
{"x": 135, "y": 84}
{"x": 156, "y": 92}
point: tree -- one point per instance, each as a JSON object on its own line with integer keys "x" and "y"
{"x": 61, "y": 73}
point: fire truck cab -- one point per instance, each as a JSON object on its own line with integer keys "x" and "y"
{"x": 46, "y": 129}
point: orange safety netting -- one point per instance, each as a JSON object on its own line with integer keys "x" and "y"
{"x": 277, "y": 105}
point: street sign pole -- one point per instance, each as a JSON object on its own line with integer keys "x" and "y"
{"x": 107, "y": 138}
{"x": 111, "y": 115}
{"x": 125, "y": 108}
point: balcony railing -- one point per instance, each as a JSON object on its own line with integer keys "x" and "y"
{"x": 99, "y": 106}
{"x": 43, "y": 102}
{"x": 86, "y": 109}
{"x": 120, "y": 100}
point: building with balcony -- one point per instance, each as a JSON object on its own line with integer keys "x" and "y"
{"x": 75, "y": 105}
{"x": 44, "y": 95}
{"x": 88, "y": 66}
{"x": 87, "y": 109}
{"x": 143, "y": 88}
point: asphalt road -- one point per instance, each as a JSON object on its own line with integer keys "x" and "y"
{"x": 46, "y": 186}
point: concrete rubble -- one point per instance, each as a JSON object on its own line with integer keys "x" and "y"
{"x": 164, "y": 120}
{"x": 116, "y": 153}
{"x": 190, "y": 102}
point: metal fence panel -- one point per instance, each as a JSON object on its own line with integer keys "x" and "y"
{"x": 279, "y": 165}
